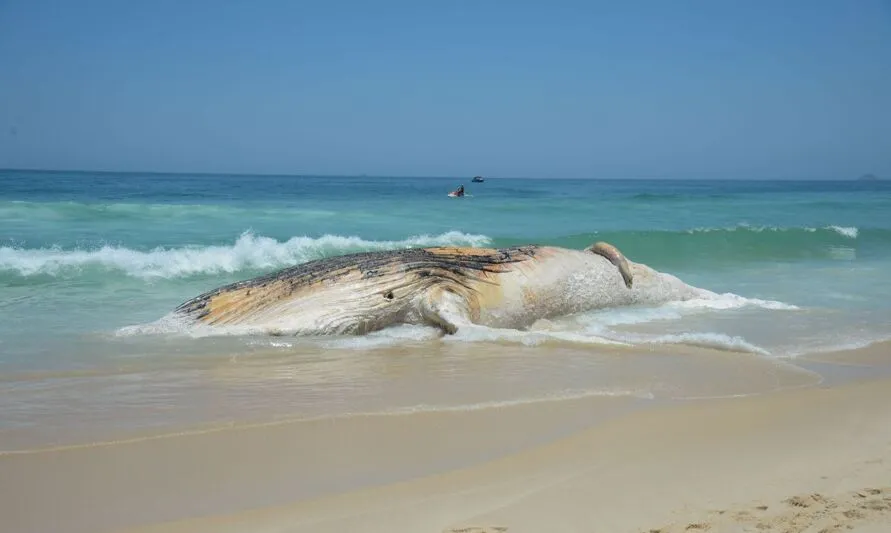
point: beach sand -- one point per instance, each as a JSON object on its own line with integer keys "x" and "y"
{"x": 809, "y": 458}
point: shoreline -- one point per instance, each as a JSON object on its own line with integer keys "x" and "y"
{"x": 352, "y": 474}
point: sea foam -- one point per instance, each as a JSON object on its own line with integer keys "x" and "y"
{"x": 248, "y": 252}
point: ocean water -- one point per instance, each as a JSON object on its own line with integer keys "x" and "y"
{"x": 89, "y": 262}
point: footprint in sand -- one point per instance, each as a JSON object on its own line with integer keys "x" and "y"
{"x": 805, "y": 501}
{"x": 810, "y": 513}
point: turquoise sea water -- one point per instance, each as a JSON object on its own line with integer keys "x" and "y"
{"x": 88, "y": 261}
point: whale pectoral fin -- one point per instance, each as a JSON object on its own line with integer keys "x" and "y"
{"x": 615, "y": 257}
{"x": 445, "y": 310}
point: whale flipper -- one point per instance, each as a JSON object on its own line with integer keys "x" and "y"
{"x": 444, "y": 309}
{"x": 615, "y": 257}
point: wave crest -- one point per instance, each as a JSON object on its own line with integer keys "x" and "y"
{"x": 850, "y": 232}
{"x": 248, "y": 252}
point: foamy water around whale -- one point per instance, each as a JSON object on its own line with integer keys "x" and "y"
{"x": 91, "y": 265}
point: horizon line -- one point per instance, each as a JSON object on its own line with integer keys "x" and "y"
{"x": 408, "y": 176}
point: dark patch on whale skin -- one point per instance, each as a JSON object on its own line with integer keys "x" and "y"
{"x": 461, "y": 265}
{"x": 371, "y": 274}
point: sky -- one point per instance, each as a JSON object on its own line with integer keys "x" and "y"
{"x": 577, "y": 89}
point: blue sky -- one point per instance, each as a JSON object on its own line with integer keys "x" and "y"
{"x": 698, "y": 89}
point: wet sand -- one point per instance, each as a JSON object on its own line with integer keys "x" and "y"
{"x": 162, "y": 394}
{"x": 810, "y": 456}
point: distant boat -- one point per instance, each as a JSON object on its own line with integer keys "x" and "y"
{"x": 477, "y": 179}
{"x": 868, "y": 177}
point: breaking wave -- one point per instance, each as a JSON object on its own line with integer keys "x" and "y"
{"x": 845, "y": 231}
{"x": 248, "y": 252}
{"x": 663, "y": 249}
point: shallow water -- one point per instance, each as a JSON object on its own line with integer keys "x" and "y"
{"x": 278, "y": 383}
{"x": 90, "y": 262}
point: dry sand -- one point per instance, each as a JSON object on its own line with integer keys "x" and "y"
{"x": 804, "y": 460}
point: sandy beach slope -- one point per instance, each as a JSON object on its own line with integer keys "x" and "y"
{"x": 814, "y": 459}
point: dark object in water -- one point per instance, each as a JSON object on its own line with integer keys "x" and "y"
{"x": 457, "y": 193}
{"x": 477, "y": 179}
